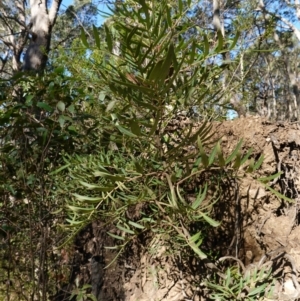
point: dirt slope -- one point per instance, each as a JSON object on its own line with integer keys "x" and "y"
{"x": 257, "y": 227}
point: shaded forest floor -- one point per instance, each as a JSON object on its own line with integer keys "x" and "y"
{"x": 257, "y": 227}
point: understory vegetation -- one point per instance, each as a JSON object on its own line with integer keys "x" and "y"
{"x": 118, "y": 128}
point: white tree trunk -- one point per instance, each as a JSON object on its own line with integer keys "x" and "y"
{"x": 261, "y": 7}
{"x": 41, "y": 26}
{"x": 217, "y": 22}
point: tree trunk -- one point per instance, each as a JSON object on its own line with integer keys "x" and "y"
{"x": 217, "y": 23}
{"x": 41, "y": 24}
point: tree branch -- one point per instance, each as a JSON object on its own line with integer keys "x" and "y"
{"x": 20, "y": 22}
{"x": 21, "y": 15}
{"x": 53, "y": 11}
{"x": 262, "y": 7}
{"x": 297, "y": 5}
{"x": 289, "y": 24}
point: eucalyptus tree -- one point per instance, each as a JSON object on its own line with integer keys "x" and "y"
{"x": 287, "y": 37}
{"x": 268, "y": 65}
{"x": 19, "y": 24}
{"x": 28, "y": 28}
{"x": 263, "y": 74}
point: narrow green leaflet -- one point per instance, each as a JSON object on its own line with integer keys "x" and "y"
{"x": 192, "y": 52}
{"x": 146, "y": 12}
{"x": 115, "y": 236}
{"x": 137, "y": 53}
{"x": 269, "y": 178}
{"x": 245, "y": 158}
{"x": 235, "y": 152}
{"x": 168, "y": 61}
{"x": 59, "y": 169}
{"x": 114, "y": 247}
{"x": 278, "y": 194}
{"x": 206, "y": 46}
{"x": 237, "y": 161}
{"x": 96, "y": 187}
{"x": 96, "y": 36}
{"x": 109, "y": 40}
{"x": 212, "y": 222}
{"x": 228, "y": 278}
{"x": 180, "y": 196}
{"x": 220, "y": 155}
{"x": 80, "y": 209}
{"x": 197, "y": 250}
{"x": 258, "y": 163}
{"x": 156, "y": 71}
{"x": 173, "y": 199}
{"x": 200, "y": 197}
{"x": 109, "y": 176}
{"x": 201, "y": 132}
{"x": 235, "y": 40}
{"x": 57, "y": 211}
{"x": 74, "y": 223}
{"x": 251, "y": 165}
{"x": 168, "y": 15}
{"x": 258, "y": 290}
{"x": 130, "y": 36}
{"x": 86, "y": 198}
{"x": 212, "y": 156}
{"x": 162, "y": 68}
{"x": 127, "y": 230}
{"x": 83, "y": 38}
{"x": 220, "y": 42}
{"x": 136, "y": 225}
{"x": 126, "y": 132}
{"x": 203, "y": 154}
{"x": 197, "y": 239}
{"x": 155, "y": 124}
{"x": 180, "y": 6}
